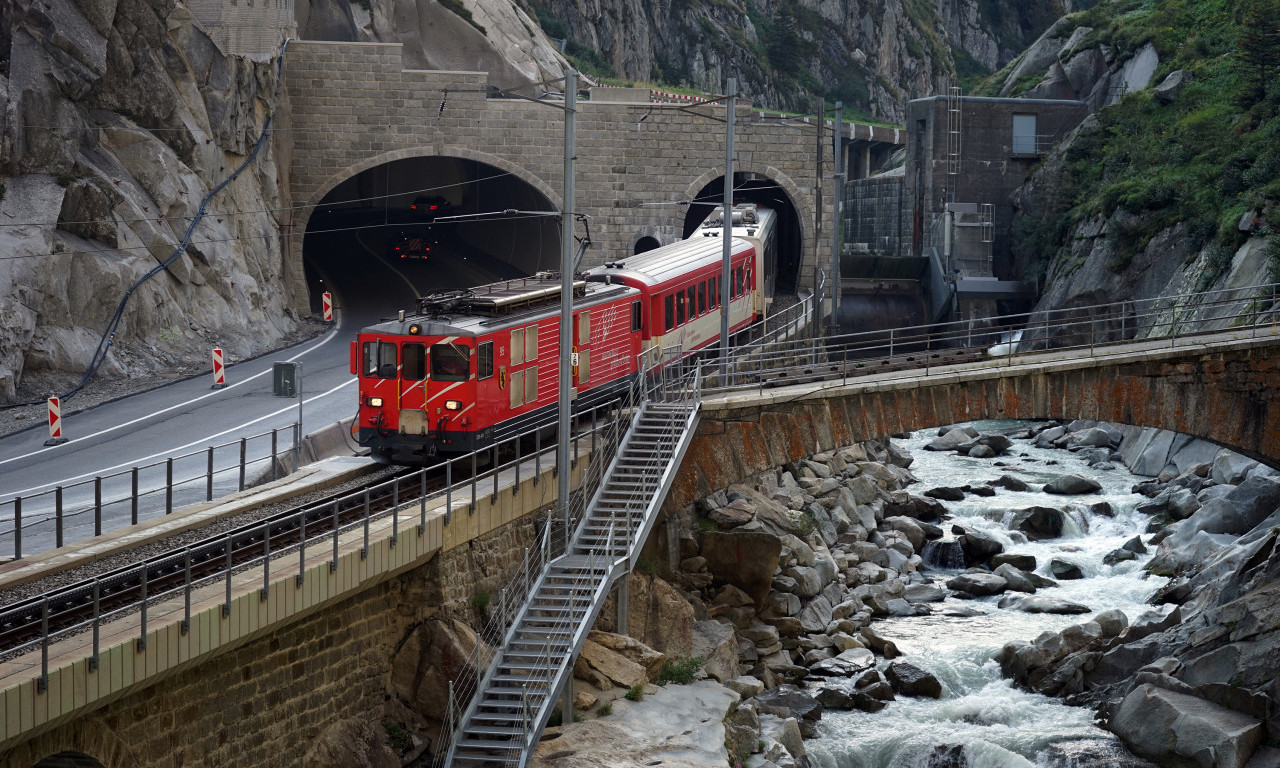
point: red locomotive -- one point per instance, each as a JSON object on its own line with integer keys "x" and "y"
{"x": 473, "y": 368}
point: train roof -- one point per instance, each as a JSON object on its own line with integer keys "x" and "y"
{"x": 670, "y": 262}
{"x": 496, "y": 306}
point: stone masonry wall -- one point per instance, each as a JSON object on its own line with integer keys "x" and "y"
{"x": 355, "y": 108}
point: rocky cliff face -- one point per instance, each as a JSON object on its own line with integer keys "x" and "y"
{"x": 119, "y": 117}
{"x": 871, "y": 55}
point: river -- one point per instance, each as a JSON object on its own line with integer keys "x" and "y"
{"x": 998, "y": 725}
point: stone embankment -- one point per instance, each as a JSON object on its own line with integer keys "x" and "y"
{"x": 1196, "y": 685}
{"x": 781, "y": 582}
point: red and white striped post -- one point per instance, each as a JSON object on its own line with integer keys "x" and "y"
{"x": 55, "y": 422}
{"x": 328, "y": 306}
{"x": 219, "y": 370}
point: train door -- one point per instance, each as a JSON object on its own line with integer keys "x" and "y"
{"x": 581, "y": 358}
{"x": 413, "y": 388}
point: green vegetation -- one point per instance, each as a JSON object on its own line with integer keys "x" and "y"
{"x": 1201, "y": 160}
{"x": 605, "y": 709}
{"x": 681, "y": 670}
{"x": 398, "y": 737}
{"x": 461, "y": 10}
{"x": 481, "y": 601}
{"x": 635, "y": 692}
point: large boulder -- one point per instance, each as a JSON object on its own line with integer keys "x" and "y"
{"x": 1038, "y": 522}
{"x": 352, "y": 743}
{"x": 1176, "y": 729}
{"x": 718, "y": 645}
{"x": 1072, "y": 485}
{"x": 434, "y": 654}
{"x": 608, "y": 665}
{"x": 745, "y": 559}
{"x": 633, "y": 649}
{"x": 976, "y": 584}
{"x": 910, "y": 680}
{"x": 1256, "y": 498}
{"x": 658, "y": 615}
{"x": 978, "y": 547}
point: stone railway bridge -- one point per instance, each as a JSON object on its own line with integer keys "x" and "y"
{"x": 259, "y": 686}
{"x": 355, "y": 112}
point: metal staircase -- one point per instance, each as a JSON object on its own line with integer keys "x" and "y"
{"x": 514, "y": 699}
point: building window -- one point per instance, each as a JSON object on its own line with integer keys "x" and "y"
{"x": 1024, "y": 135}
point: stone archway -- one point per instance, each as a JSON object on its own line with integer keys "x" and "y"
{"x": 85, "y": 743}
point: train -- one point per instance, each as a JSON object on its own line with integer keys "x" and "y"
{"x": 472, "y": 368}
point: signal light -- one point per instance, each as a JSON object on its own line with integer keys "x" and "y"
{"x": 452, "y": 405}
{"x": 373, "y": 402}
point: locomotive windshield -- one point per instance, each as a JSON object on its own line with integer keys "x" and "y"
{"x": 450, "y": 362}
{"x": 380, "y": 359}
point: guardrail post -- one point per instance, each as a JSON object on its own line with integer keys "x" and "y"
{"x": 97, "y": 506}
{"x": 17, "y": 528}
{"x": 275, "y": 453}
{"x": 502, "y": 610}
{"x": 142, "y": 636}
{"x": 474, "y": 482}
{"x": 333, "y": 564}
{"x": 133, "y": 496}
{"x": 168, "y": 486}
{"x": 266, "y": 562}
{"x": 515, "y": 488}
{"x": 186, "y": 590}
{"x": 537, "y": 455}
{"x": 243, "y": 455}
{"x": 208, "y": 487}
{"x": 493, "y": 497}
{"x": 395, "y": 510}
{"x": 302, "y": 548}
{"x": 42, "y": 684}
{"x": 97, "y": 616}
{"x": 226, "y": 607}
{"x": 364, "y": 550}
{"x": 448, "y": 493}
{"x": 57, "y": 512}
{"x": 422, "y": 500}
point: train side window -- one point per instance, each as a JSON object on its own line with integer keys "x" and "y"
{"x": 693, "y": 301}
{"x": 584, "y": 327}
{"x": 680, "y": 308}
{"x": 531, "y": 384}
{"x": 517, "y": 389}
{"x": 414, "y": 365}
{"x": 517, "y": 346}
{"x": 450, "y": 362}
{"x": 584, "y": 365}
{"x": 380, "y": 359}
{"x": 670, "y": 312}
{"x": 531, "y": 344}
{"x": 484, "y": 360}
{"x": 713, "y": 295}
{"x": 737, "y": 282}
{"x": 635, "y": 316}
{"x": 702, "y": 297}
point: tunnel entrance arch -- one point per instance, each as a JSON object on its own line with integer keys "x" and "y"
{"x": 750, "y": 187}
{"x": 69, "y": 759}
{"x": 401, "y": 227}
{"x": 645, "y": 243}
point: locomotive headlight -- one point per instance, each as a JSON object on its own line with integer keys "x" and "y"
{"x": 415, "y": 329}
{"x": 453, "y": 405}
{"x": 373, "y": 402}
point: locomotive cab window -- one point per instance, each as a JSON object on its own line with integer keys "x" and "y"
{"x": 450, "y": 362}
{"x": 380, "y": 359}
{"x": 415, "y": 362}
{"x": 484, "y": 360}
{"x": 635, "y": 316}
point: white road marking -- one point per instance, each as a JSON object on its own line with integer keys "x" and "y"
{"x": 165, "y": 454}
{"x": 328, "y": 337}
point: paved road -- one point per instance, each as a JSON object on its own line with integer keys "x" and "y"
{"x": 187, "y": 417}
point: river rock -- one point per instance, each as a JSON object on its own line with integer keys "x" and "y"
{"x": 1072, "y": 485}
{"x": 652, "y": 661}
{"x": 909, "y": 680}
{"x": 745, "y": 686}
{"x": 1065, "y": 569}
{"x": 978, "y": 547}
{"x": 880, "y": 644}
{"x": 717, "y": 644}
{"x": 925, "y": 593}
{"x": 726, "y": 518}
{"x": 789, "y": 701}
{"x": 1117, "y": 556}
{"x": 1230, "y": 468}
{"x": 1038, "y": 522}
{"x": 1016, "y": 579}
{"x": 1009, "y": 482}
{"x": 1021, "y": 562}
{"x": 1042, "y": 604}
{"x": 945, "y": 493}
{"x": 1172, "y": 728}
{"x": 1095, "y": 437}
{"x": 352, "y": 743}
{"x": 845, "y": 664}
{"x": 612, "y": 665}
{"x": 951, "y": 439}
{"x": 977, "y": 584}
{"x": 1112, "y": 622}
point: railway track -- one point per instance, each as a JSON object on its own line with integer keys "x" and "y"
{"x": 26, "y": 622}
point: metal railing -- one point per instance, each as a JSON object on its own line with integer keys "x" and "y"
{"x": 659, "y": 379}
{"x": 80, "y": 510}
{"x": 1002, "y": 340}
{"x": 210, "y": 561}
